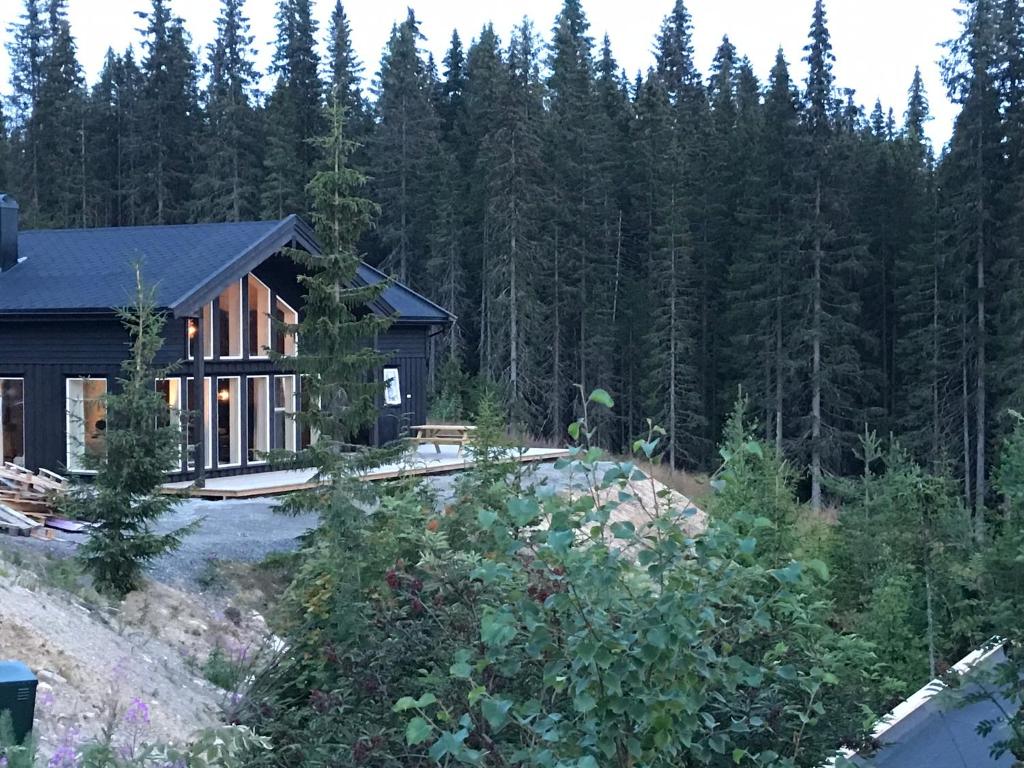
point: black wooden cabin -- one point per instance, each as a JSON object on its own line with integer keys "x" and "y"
{"x": 61, "y": 344}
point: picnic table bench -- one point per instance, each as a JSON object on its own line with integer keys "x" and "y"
{"x": 442, "y": 434}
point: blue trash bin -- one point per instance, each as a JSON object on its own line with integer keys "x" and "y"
{"x": 18, "y": 697}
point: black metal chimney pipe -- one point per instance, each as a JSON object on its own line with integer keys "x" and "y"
{"x": 8, "y": 232}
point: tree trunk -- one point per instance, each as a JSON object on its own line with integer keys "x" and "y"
{"x": 816, "y": 361}
{"x": 556, "y": 349}
{"x": 931, "y": 621}
{"x": 672, "y": 343}
{"x": 979, "y": 395}
{"x": 778, "y": 340}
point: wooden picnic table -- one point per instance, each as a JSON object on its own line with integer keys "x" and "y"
{"x": 442, "y": 434}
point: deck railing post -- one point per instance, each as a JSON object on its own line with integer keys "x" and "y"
{"x": 199, "y": 395}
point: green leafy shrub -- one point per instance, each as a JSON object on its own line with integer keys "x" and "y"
{"x": 537, "y": 632}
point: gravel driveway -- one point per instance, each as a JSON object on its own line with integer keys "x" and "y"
{"x": 242, "y": 530}
{"x": 247, "y": 530}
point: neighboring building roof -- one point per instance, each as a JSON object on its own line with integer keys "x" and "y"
{"x": 186, "y": 265}
{"x": 937, "y": 726}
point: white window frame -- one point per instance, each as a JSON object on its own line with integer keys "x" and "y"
{"x": 207, "y": 424}
{"x": 267, "y": 417}
{"x": 241, "y": 325}
{"x": 397, "y": 401}
{"x": 292, "y": 338}
{"x": 75, "y": 455}
{"x": 206, "y": 318}
{"x": 291, "y": 436}
{"x": 176, "y": 409}
{"x": 235, "y": 426}
{"x": 267, "y": 319}
{"x": 24, "y": 397}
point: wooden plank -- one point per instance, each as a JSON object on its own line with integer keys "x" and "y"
{"x": 412, "y": 470}
{"x": 14, "y": 523}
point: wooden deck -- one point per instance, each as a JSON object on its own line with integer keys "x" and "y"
{"x": 424, "y": 461}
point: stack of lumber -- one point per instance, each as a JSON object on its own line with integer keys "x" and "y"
{"x": 30, "y": 493}
{"x": 14, "y": 523}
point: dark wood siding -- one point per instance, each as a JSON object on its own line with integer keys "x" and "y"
{"x": 46, "y": 351}
{"x": 405, "y": 347}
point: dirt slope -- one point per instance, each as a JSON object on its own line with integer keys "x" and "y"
{"x": 93, "y": 659}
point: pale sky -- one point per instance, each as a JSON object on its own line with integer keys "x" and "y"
{"x": 877, "y": 42}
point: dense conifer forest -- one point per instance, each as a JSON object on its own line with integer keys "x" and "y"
{"x": 676, "y": 236}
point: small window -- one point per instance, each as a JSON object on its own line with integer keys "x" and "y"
{"x": 229, "y": 422}
{"x": 258, "y": 403}
{"x": 170, "y": 390}
{"x": 392, "y": 387}
{"x": 284, "y": 343}
{"x": 259, "y": 317}
{"x": 12, "y": 420}
{"x": 190, "y": 398}
{"x": 192, "y": 332}
{"x": 308, "y": 435}
{"x": 229, "y": 321}
{"x": 284, "y": 413}
{"x": 86, "y": 422}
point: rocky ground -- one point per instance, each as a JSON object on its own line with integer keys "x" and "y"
{"x": 94, "y": 660}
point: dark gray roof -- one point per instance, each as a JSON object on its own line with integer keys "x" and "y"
{"x": 187, "y": 265}
{"x": 942, "y": 732}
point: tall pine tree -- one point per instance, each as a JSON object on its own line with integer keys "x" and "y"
{"x": 227, "y": 188}
{"x": 294, "y": 112}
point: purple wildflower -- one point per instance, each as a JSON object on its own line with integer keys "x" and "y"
{"x": 137, "y": 713}
{"x": 66, "y": 755}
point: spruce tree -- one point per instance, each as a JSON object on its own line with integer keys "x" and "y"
{"x": 27, "y": 47}
{"x": 576, "y": 192}
{"x": 5, "y": 149}
{"x": 512, "y": 182}
{"x": 970, "y": 172}
{"x": 670, "y": 377}
{"x": 615, "y": 215}
{"x": 336, "y": 359}
{"x": 476, "y": 123}
{"x": 404, "y": 152}
{"x": 228, "y": 187}
{"x": 346, "y": 72}
{"x": 294, "y": 112}
{"x": 927, "y": 304}
{"x": 832, "y": 263}
{"x": 58, "y": 127}
{"x": 691, "y": 123}
{"x": 450, "y": 107}
{"x": 1007, "y": 302}
{"x": 102, "y": 130}
{"x": 116, "y": 143}
{"x": 168, "y": 114}
{"x": 141, "y": 445}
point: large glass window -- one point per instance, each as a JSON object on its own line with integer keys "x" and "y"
{"x": 229, "y": 320}
{"x": 12, "y": 420}
{"x": 284, "y": 413}
{"x": 190, "y": 398}
{"x": 170, "y": 389}
{"x": 192, "y": 330}
{"x": 308, "y": 436}
{"x": 86, "y": 422}
{"x": 259, "y": 318}
{"x": 284, "y": 343}
{"x": 258, "y": 404}
{"x": 229, "y": 422}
